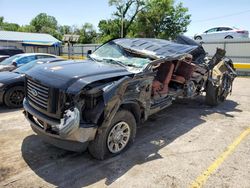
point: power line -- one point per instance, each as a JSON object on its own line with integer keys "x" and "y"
{"x": 224, "y": 16}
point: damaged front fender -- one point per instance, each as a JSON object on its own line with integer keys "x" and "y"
{"x": 113, "y": 96}
{"x": 115, "y": 89}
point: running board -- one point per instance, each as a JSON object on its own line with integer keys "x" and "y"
{"x": 162, "y": 103}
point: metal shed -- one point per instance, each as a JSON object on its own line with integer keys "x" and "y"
{"x": 30, "y": 42}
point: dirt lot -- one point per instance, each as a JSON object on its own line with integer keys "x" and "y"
{"x": 173, "y": 148}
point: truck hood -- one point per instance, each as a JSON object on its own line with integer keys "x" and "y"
{"x": 67, "y": 73}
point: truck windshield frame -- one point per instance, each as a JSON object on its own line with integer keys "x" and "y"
{"x": 111, "y": 52}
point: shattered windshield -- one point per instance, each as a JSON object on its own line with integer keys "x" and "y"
{"x": 114, "y": 54}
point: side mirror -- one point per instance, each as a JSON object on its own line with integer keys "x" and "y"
{"x": 89, "y": 52}
{"x": 14, "y": 63}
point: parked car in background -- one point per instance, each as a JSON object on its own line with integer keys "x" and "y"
{"x": 218, "y": 33}
{"x": 97, "y": 104}
{"x": 10, "y": 51}
{"x": 6, "y": 52}
{"x": 12, "y": 83}
{"x": 18, "y": 60}
{"x": 3, "y": 57}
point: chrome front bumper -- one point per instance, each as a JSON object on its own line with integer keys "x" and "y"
{"x": 70, "y": 134}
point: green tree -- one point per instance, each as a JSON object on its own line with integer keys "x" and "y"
{"x": 9, "y": 26}
{"x": 44, "y": 20}
{"x": 44, "y": 23}
{"x": 87, "y": 33}
{"x": 109, "y": 29}
{"x": 52, "y": 32}
{"x": 145, "y": 18}
{"x": 162, "y": 19}
{"x": 27, "y": 28}
{"x": 65, "y": 29}
{"x": 1, "y": 20}
{"x": 126, "y": 12}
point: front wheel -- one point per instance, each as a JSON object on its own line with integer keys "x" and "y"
{"x": 115, "y": 138}
{"x": 14, "y": 96}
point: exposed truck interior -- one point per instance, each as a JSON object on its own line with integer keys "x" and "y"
{"x": 172, "y": 76}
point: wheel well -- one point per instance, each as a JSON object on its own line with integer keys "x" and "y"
{"x": 228, "y": 36}
{"x": 135, "y": 109}
{"x": 132, "y": 107}
{"x": 13, "y": 85}
{"x": 197, "y": 37}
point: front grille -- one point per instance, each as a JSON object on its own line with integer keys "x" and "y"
{"x": 38, "y": 94}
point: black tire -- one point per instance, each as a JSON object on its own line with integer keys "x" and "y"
{"x": 14, "y": 96}
{"x": 226, "y": 87}
{"x": 212, "y": 94}
{"x": 229, "y": 37}
{"x": 98, "y": 148}
{"x": 198, "y": 38}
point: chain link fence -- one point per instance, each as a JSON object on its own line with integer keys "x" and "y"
{"x": 237, "y": 50}
{"x": 77, "y": 51}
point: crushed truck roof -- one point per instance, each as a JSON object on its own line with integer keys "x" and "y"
{"x": 157, "y": 48}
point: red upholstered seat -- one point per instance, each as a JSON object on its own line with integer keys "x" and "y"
{"x": 178, "y": 79}
{"x": 183, "y": 71}
{"x": 163, "y": 77}
{"x": 174, "y": 71}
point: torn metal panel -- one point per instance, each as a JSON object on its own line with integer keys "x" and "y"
{"x": 157, "y": 48}
{"x": 113, "y": 96}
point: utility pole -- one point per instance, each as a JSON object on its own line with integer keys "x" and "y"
{"x": 122, "y": 25}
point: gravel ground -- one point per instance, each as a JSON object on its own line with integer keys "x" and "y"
{"x": 172, "y": 149}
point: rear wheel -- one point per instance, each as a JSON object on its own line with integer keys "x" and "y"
{"x": 115, "y": 138}
{"x": 217, "y": 94}
{"x": 14, "y": 96}
{"x": 198, "y": 38}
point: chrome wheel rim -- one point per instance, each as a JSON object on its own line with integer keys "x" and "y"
{"x": 118, "y": 137}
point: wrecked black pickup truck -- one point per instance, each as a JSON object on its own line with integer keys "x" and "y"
{"x": 98, "y": 103}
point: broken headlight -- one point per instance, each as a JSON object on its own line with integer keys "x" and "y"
{"x": 69, "y": 123}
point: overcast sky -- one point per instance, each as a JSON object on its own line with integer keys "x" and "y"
{"x": 205, "y": 13}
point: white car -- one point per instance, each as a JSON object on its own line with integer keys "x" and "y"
{"x": 218, "y": 33}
